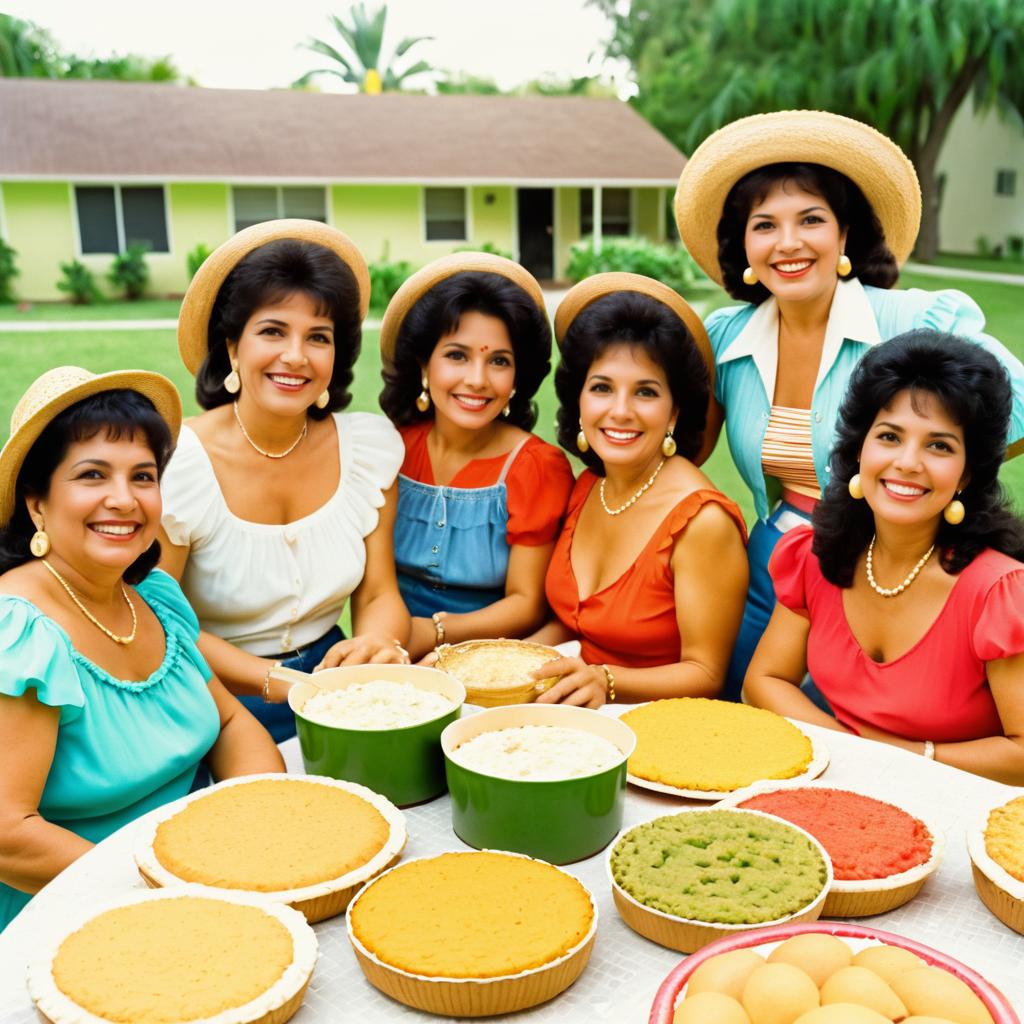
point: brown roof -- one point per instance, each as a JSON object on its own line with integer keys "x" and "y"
{"x": 116, "y": 130}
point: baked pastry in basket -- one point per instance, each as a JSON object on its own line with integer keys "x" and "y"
{"x": 996, "y": 847}
{"x": 497, "y": 672}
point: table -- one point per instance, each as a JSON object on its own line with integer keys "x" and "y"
{"x": 625, "y": 970}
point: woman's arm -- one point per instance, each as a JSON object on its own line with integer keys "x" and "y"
{"x": 32, "y": 849}
{"x": 709, "y": 567}
{"x": 243, "y": 747}
{"x": 521, "y": 609}
{"x": 380, "y": 620}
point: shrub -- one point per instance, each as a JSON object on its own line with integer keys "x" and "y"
{"x": 79, "y": 282}
{"x": 8, "y": 271}
{"x": 982, "y": 246}
{"x": 195, "y": 258}
{"x": 1015, "y": 243}
{"x": 386, "y": 278}
{"x": 129, "y": 271}
{"x": 672, "y": 265}
{"x": 486, "y": 247}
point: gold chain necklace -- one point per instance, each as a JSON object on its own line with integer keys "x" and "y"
{"x": 635, "y": 498}
{"x": 893, "y": 591}
{"x": 255, "y": 447}
{"x": 89, "y": 615}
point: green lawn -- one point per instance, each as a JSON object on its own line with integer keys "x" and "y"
{"x": 1006, "y": 265}
{"x": 143, "y": 309}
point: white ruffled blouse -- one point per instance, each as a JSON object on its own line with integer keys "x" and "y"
{"x": 268, "y": 588}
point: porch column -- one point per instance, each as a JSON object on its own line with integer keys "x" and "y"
{"x": 597, "y": 217}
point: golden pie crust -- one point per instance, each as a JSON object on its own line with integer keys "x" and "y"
{"x": 497, "y": 672}
{"x": 178, "y": 956}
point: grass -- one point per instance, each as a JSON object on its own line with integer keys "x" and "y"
{"x": 143, "y": 309}
{"x": 969, "y": 261}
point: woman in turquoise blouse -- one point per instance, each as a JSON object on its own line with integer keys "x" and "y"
{"x": 106, "y": 704}
{"x": 806, "y": 217}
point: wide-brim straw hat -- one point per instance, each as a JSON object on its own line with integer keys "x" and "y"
{"x": 417, "y": 285}
{"x": 56, "y": 390}
{"x": 593, "y": 288}
{"x": 196, "y": 307}
{"x": 872, "y": 161}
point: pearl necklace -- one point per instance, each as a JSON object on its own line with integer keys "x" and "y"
{"x": 893, "y": 591}
{"x": 635, "y": 498}
{"x": 89, "y": 615}
{"x": 255, "y": 447}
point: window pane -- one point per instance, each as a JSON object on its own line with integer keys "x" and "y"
{"x": 308, "y": 203}
{"x": 97, "y": 218}
{"x": 144, "y": 219}
{"x": 586, "y": 211}
{"x": 615, "y": 219}
{"x": 253, "y": 205}
{"x": 445, "y": 214}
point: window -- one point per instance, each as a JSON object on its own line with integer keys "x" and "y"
{"x": 255, "y": 204}
{"x": 113, "y": 217}
{"x": 444, "y": 211}
{"x": 615, "y": 217}
{"x": 1006, "y": 183}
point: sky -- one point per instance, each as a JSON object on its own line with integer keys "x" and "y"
{"x": 253, "y": 45}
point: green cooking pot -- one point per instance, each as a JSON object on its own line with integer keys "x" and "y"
{"x": 560, "y": 821}
{"x": 404, "y": 764}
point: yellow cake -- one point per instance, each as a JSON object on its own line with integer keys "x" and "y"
{"x": 472, "y": 915}
{"x": 1004, "y": 837}
{"x": 167, "y": 957}
{"x": 712, "y": 745}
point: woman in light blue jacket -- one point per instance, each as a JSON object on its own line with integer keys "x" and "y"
{"x": 806, "y": 217}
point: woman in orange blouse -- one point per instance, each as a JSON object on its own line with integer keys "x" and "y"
{"x": 466, "y": 343}
{"x": 650, "y": 572}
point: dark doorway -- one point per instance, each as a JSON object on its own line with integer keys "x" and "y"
{"x": 537, "y": 231}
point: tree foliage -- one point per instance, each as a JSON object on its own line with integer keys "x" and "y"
{"x": 26, "y": 50}
{"x": 904, "y": 66}
{"x": 361, "y": 61}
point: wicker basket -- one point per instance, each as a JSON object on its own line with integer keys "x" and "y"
{"x": 473, "y": 659}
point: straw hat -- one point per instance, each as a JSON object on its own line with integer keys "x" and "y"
{"x": 415, "y": 287}
{"x": 196, "y": 307}
{"x": 873, "y": 162}
{"x": 592, "y": 288}
{"x": 59, "y": 389}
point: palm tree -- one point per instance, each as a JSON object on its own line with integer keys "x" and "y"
{"x": 26, "y": 51}
{"x": 362, "y": 64}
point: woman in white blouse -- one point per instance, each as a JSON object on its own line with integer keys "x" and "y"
{"x": 277, "y": 506}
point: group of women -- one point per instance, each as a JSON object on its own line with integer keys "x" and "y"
{"x": 155, "y": 574}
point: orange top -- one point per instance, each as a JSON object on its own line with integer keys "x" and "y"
{"x": 631, "y": 622}
{"x": 537, "y": 484}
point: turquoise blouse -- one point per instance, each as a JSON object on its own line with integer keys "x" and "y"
{"x": 122, "y": 748}
{"x": 745, "y": 343}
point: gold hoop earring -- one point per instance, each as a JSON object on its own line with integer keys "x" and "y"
{"x": 323, "y": 399}
{"x": 854, "y": 487}
{"x": 39, "y": 545}
{"x": 749, "y": 277}
{"x": 423, "y": 398}
{"x": 668, "y": 445}
{"x": 232, "y": 382}
{"x": 581, "y": 439}
{"x": 954, "y": 512}
{"x": 844, "y": 266}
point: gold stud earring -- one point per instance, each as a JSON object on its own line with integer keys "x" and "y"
{"x": 323, "y": 399}
{"x": 39, "y": 545}
{"x": 668, "y": 445}
{"x": 749, "y": 277}
{"x": 854, "y": 487}
{"x": 954, "y": 512}
{"x": 423, "y": 398}
{"x": 581, "y": 439}
{"x": 844, "y": 266}
{"x": 232, "y": 382}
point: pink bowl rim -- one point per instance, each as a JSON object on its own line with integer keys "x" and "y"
{"x": 663, "y": 1008}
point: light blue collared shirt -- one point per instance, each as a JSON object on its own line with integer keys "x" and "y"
{"x": 745, "y": 343}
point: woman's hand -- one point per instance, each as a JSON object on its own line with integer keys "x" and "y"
{"x": 580, "y": 684}
{"x": 365, "y": 649}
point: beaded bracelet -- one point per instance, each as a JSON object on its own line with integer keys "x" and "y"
{"x": 929, "y": 750}
{"x": 609, "y": 683}
{"x": 266, "y": 681}
{"x": 437, "y": 618}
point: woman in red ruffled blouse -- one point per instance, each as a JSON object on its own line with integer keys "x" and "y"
{"x": 650, "y": 571}
{"x": 906, "y": 602}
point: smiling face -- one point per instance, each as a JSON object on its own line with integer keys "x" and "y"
{"x": 626, "y": 407}
{"x": 472, "y": 372}
{"x": 913, "y": 460}
{"x": 793, "y": 243}
{"x": 103, "y": 506}
{"x": 285, "y": 355}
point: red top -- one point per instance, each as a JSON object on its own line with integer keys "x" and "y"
{"x": 631, "y": 622}
{"x": 537, "y": 484}
{"x": 938, "y": 690}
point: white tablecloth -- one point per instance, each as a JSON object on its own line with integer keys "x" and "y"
{"x": 625, "y": 970}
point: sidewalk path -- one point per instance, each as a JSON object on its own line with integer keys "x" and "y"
{"x": 930, "y": 270}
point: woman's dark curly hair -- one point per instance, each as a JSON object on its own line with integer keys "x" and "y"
{"x": 974, "y": 390}
{"x": 632, "y": 318}
{"x": 437, "y": 313}
{"x": 873, "y": 263}
{"x": 120, "y": 413}
{"x": 267, "y": 275}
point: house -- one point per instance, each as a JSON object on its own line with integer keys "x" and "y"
{"x": 88, "y": 167}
